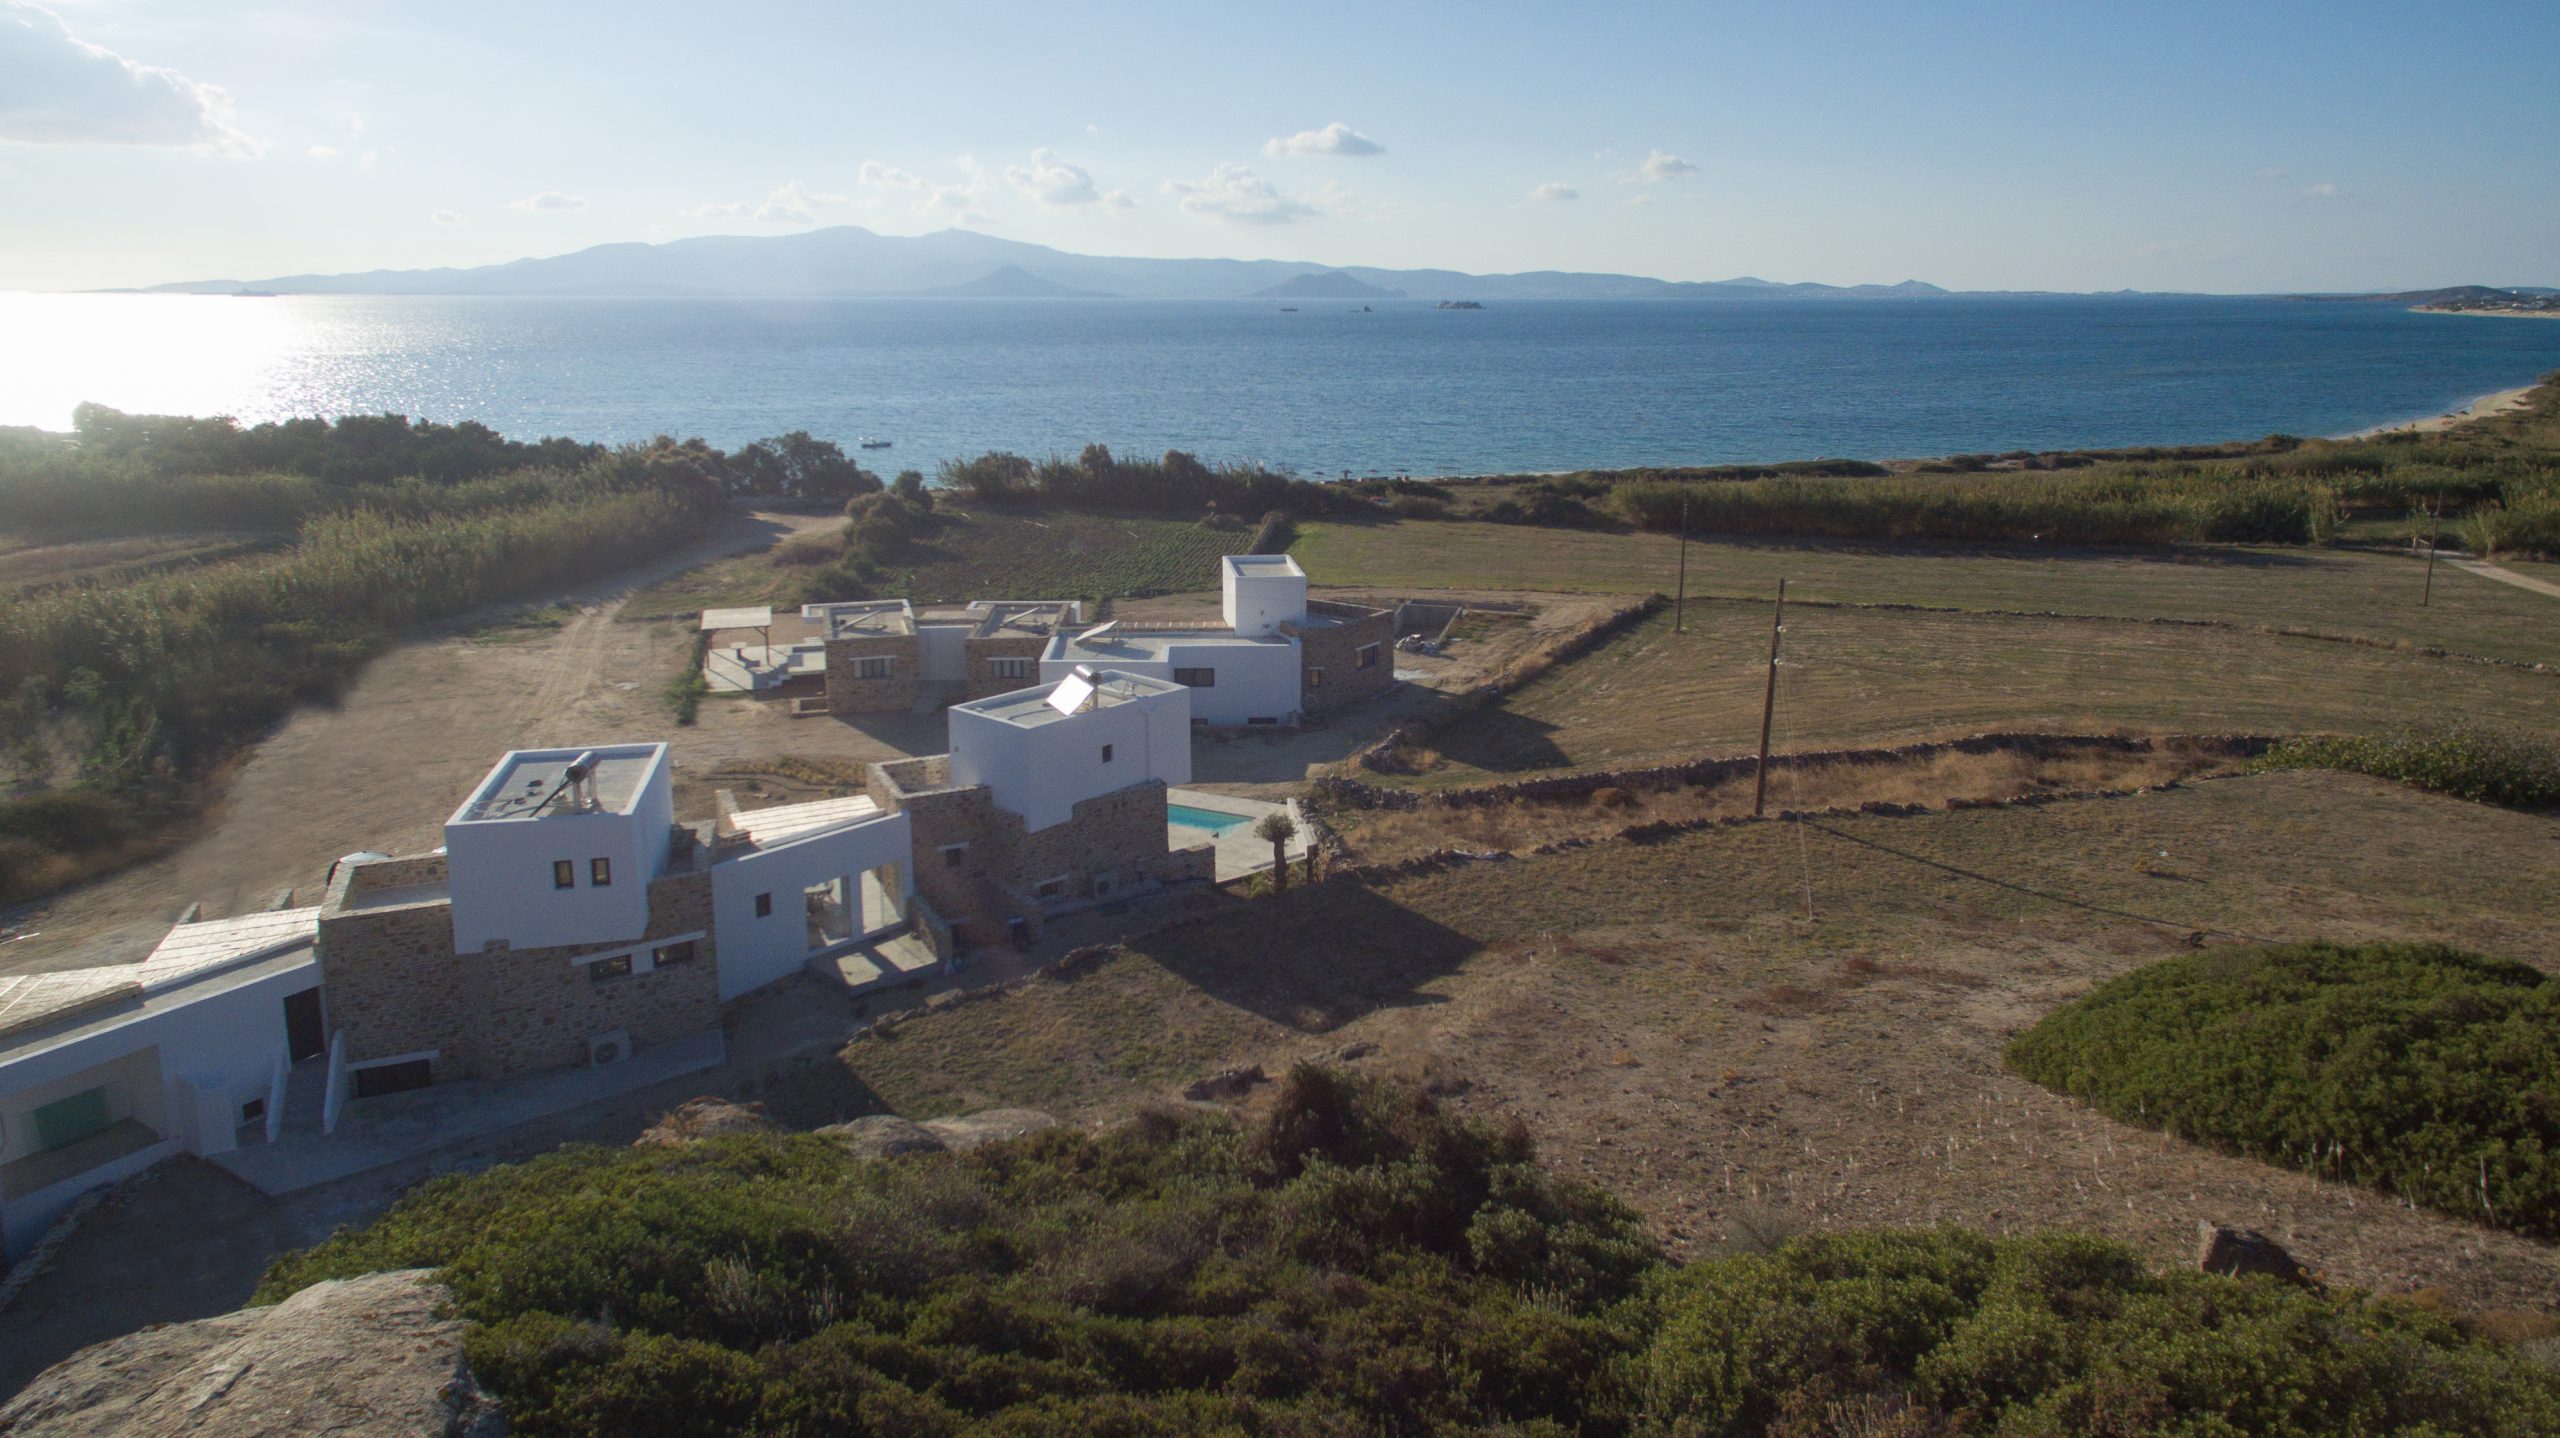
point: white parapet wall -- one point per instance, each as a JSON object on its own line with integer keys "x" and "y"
{"x": 508, "y": 844}
{"x": 1040, "y": 763}
{"x": 1260, "y": 592}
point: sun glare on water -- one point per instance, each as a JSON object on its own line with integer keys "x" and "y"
{"x": 153, "y": 354}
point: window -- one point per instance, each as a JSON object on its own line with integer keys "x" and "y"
{"x": 66, "y": 1121}
{"x": 617, "y": 967}
{"x": 1010, "y": 668}
{"x": 1106, "y": 753}
{"x": 1315, "y": 676}
{"x": 600, "y": 872}
{"x": 394, "y": 1078}
{"x": 764, "y": 906}
{"x": 564, "y": 874}
{"x": 875, "y": 667}
{"x": 953, "y": 855}
{"x": 254, "y": 1110}
{"x": 1197, "y": 678}
{"x": 1368, "y": 656}
{"x": 672, "y": 954}
{"x": 1051, "y": 888}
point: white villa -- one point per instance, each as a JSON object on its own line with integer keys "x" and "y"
{"x": 570, "y": 919}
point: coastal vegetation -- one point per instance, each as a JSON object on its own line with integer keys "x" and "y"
{"x": 2415, "y": 1069}
{"x": 125, "y": 691}
{"x": 1358, "y": 1258}
{"x": 2469, "y": 762}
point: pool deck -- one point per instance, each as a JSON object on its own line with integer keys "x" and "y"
{"x": 1239, "y": 852}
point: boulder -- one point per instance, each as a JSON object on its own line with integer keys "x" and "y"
{"x": 2241, "y": 1252}
{"x": 700, "y": 1118}
{"x": 883, "y": 1135}
{"x": 1233, "y": 1082}
{"x": 359, "y": 1357}
{"x": 993, "y": 1126}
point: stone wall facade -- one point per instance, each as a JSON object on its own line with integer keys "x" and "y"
{"x": 983, "y": 679}
{"x": 980, "y": 867}
{"x": 395, "y": 985}
{"x": 895, "y": 694}
{"x": 1335, "y": 650}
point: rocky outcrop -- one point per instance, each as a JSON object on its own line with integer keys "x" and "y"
{"x": 363, "y": 1357}
{"x": 883, "y": 1135}
{"x": 993, "y": 1126}
{"x": 1226, "y": 1083}
{"x": 699, "y": 1118}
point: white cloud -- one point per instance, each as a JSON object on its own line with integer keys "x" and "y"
{"x": 57, "y": 89}
{"x": 1642, "y": 202}
{"x": 954, "y": 203}
{"x": 1334, "y": 139}
{"x": 444, "y": 217}
{"x": 1051, "y": 181}
{"x": 1118, "y": 200}
{"x": 2322, "y": 191}
{"x": 1239, "y": 196}
{"x": 1662, "y": 165}
{"x": 1554, "y": 191}
{"x": 549, "y": 200}
{"x": 793, "y": 203}
{"x": 721, "y": 210}
{"x": 323, "y": 152}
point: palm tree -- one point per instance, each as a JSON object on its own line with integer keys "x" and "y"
{"x": 1279, "y": 828}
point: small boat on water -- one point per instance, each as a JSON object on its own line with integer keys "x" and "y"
{"x": 869, "y": 443}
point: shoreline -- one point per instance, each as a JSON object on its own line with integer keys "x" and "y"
{"x": 2492, "y": 314}
{"x": 2496, "y": 402}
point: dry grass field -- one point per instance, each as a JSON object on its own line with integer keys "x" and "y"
{"x": 1870, "y": 677}
{"x": 2361, "y": 593}
{"x": 985, "y": 554}
{"x": 1778, "y": 1026}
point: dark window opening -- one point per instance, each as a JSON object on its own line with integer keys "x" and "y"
{"x": 600, "y": 872}
{"x": 1106, "y": 753}
{"x": 1196, "y": 678}
{"x": 619, "y": 966}
{"x": 1368, "y": 656}
{"x": 564, "y": 874}
{"x": 394, "y": 1078}
{"x": 254, "y": 1110}
{"x": 673, "y": 954}
{"x": 1315, "y": 678}
{"x": 764, "y": 906}
{"x": 952, "y": 856}
{"x": 306, "y": 1036}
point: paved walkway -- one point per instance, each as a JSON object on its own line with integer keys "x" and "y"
{"x": 866, "y": 966}
{"x": 378, "y": 1131}
{"x": 2487, "y": 570}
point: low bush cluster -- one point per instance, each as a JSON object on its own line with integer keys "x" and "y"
{"x": 2489, "y": 765}
{"x": 1359, "y": 1261}
{"x": 1177, "y": 483}
{"x": 2430, "y": 1074}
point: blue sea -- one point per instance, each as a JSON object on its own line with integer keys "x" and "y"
{"x": 1320, "y": 390}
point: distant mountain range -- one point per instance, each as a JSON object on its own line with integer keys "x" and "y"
{"x": 848, "y": 260}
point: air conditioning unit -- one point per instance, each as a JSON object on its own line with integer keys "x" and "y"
{"x": 608, "y": 1048}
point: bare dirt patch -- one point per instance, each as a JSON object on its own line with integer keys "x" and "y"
{"x": 385, "y": 766}
{"x": 1670, "y": 1022}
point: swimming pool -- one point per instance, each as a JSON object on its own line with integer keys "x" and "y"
{"x": 1216, "y": 821}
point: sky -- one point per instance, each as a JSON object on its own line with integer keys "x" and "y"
{"x": 2071, "y": 145}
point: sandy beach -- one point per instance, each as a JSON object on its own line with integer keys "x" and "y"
{"x": 2493, "y": 314}
{"x": 2486, "y": 405}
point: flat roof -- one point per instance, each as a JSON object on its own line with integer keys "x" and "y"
{"x": 1030, "y": 708}
{"x": 1140, "y": 646}
{"x": 759, "y": 616}
{"x": 1262, "y": 564}
{"x": 516, "y": 790}
{"x": 866, "y": 617}
{"x": 1025, "y": 616}
{"x": 784, "y": 822}
{"x": 113, "y": 999}
{"x": 192, "y": 950}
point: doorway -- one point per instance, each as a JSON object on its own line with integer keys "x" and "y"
{"x": 306, "y": 1036}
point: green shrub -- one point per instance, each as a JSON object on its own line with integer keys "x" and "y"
{"x": 2425, "y": 1072}
{"x": 1358, "y": 1262}
{"x": 2486, "y": 765}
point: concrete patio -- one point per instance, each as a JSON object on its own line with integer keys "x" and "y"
{"x": 1240, "y": 854}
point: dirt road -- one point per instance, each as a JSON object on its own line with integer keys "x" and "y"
{"x": 2487, "y": 570}
{"x": 416, "y": 729}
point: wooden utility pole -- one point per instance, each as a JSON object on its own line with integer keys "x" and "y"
{"x": 1769, "y": 703}
{"x": 2435, "y": 523}
{"x": 1680, "y": 605}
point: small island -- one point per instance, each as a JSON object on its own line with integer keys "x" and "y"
{"x": 1461, "y": 304}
